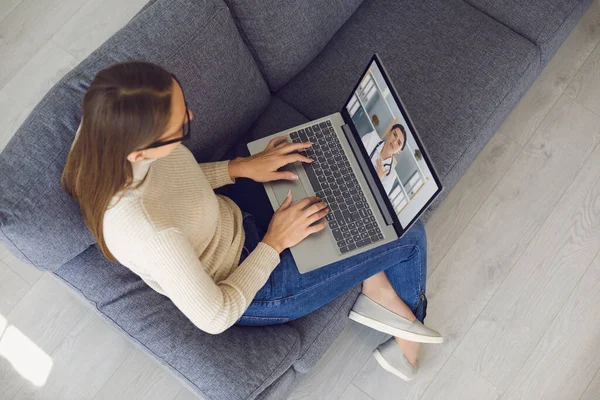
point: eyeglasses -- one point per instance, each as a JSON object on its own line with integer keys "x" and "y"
{"x": 186, "y": 127}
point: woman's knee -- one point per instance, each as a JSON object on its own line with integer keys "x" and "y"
{"x": 416, "y": 241}
{"x": 419, "y": 233}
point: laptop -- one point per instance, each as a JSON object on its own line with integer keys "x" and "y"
{"x": 370, "y": 167}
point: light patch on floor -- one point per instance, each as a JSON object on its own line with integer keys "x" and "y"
{"x": 31, "y": 362}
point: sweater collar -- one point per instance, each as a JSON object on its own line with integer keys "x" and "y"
{"x": 140, "y": 169}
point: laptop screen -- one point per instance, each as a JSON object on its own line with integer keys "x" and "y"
{"x": 391, "y": 145}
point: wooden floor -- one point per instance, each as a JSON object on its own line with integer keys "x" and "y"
{"x": 514, "y": 264}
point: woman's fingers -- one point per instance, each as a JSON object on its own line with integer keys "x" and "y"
{"x": 318, "y": 215}
{"x": 284, "y": 175}
{"x": 296, "y": 157}
{"x": 316, "y": 227}
{"x": 283, "y": 144}
{"x": 289, "y": 147}
{"x": 306, "y": 202}
{"x": 275, "y": 141}
{"x": 314, "y": 208}
{"x": 288, "y": 200}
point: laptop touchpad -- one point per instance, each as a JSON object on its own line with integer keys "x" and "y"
{"x": 281, "y": 187}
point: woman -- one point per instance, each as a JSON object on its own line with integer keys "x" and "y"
{"x": 381, "y": 152}
{"x": 153, "y": 208}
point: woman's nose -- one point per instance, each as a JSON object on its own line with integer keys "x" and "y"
{"x": 191, "y": 114}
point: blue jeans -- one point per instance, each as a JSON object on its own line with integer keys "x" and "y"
{"x": 289, "y": 295}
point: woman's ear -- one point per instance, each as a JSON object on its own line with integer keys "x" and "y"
{"x": 137, "y": 155}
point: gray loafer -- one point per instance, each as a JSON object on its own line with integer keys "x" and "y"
{"x": 367, "y": 312}
{"x": 390, "y": 356}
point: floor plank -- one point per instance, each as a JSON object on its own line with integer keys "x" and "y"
{"x": 83, "y": 362}
{"x": 456, "y": 381}
{"x": 565, "y": 361}
{"x": 95, "y": 22}
{"x": 62, "y": 311}
{"x": 25, "y": 270}
{"x": 517, "y": 316}
{"x": 592, "y": 392}
{"x": 6, "y": 6}
{"x": 526, "y": 117}
{"x": 452, "y": 216}
{"x": 354, "y": 393}
{"x": 28, "y": 28}
{"x": 140, "y": 378}
{"x": 12, "y": 289}
{"x": 585, "y": 87}
{"x": 481, "y": 258}
{"x": 186, "y": 394}
{"x": 38, "y": 75}
{"x": 335, "y": 370}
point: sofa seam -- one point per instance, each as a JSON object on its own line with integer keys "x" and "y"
{"x": 328, "y": 322}
{"x": 18, "y": 249}
{"x": 275, "y": 94}
{"x": 246, "y": 40}
{"x": 541, "y": 42}
{"x": 254, "y": 394}
{"x": 563, "y": 23}
{"x": 500, "y": 22}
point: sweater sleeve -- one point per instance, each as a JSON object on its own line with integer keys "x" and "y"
{"x": 217, "y": 173}
{"x": 212, "y": 307}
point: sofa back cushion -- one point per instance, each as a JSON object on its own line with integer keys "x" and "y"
{"x": 196, "y": 40}
{"x": 537, "y": 20}
{"x": 285, "y": 36}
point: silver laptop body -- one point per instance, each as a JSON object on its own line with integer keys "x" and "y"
{"x": 320, "y": 249}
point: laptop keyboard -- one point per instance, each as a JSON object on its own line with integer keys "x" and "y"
{"x": 350, "y": 218}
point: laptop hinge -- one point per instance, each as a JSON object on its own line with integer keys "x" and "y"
{"x": 362, "y": 163}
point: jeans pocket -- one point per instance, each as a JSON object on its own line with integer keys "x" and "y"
{"x": 248, "y": 320}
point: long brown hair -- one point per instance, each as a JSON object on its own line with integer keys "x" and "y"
{"x": 126, "y": 107}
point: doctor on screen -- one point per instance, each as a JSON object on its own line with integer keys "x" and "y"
{"x": 381, "y": 152}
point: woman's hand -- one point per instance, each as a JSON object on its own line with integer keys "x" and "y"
{"x": 379, "y": 168}
{"x": 292, "y": 223}
{"x": 263, "y": 166}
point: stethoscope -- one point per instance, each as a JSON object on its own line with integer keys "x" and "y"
{"x": 389, "y": 165}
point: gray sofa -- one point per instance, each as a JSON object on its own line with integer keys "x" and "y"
{"x": 250, "y": 68}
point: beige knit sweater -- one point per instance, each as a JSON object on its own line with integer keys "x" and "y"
{"x": 185, "y": 241}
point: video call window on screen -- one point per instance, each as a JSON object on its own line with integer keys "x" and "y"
{"x": 390, "y": 145}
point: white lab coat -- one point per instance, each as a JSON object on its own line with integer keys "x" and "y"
{"x": 372, "y": 141}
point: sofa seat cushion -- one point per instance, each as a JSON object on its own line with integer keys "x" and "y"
{"x": 281, "y": 388}
{"x": 319, "y": 329}
{"x": 458, "y": 81}
{"x": 237, "y": 364}
{"x": 544, "y": 22}
{"x": 221, "y": 81}
{"x": 285, "y": 36}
